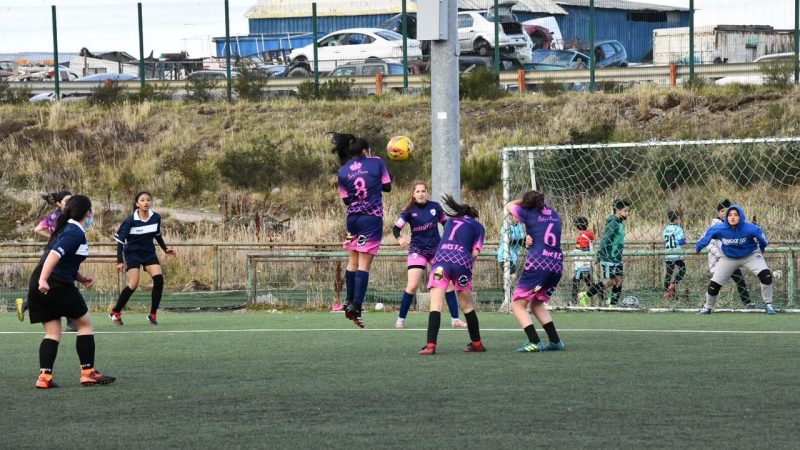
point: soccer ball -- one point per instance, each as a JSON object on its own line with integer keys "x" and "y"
{"x": 379, "y": 306}
{"x": 630, "y": 302}
{"x": 399, "y": 148}
{"x": 777, "y": 274}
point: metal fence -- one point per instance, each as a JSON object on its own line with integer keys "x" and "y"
{"x": 576, "y": 44}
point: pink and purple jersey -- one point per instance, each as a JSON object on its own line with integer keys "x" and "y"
{"x": 545, "y": 261}
{"x": 453, "y": 260}
{"x": 424, "y": 222}
{"x": 49, "y": 222}
{"x": 361, "y": 180}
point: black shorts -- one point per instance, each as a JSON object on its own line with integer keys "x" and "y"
{"x": 62, "y": 300}
{"x": 137, "y": 264}
{"x": 611, "y": 270}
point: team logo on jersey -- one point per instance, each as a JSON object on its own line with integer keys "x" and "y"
{"x": 433, "y": 212}
{"x": 463, "y": 280}
{"x": 362, "y": 239}
{"x": 537, "y": 289}
{"x": 355, "y": 166}
{"x": 438, "y": 274}
{"x": 413, "y": 214}
{"x": 547, "y": 211}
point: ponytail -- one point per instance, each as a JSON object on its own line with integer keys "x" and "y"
{"x": 455, "y": 209}
{"x": 341, "y": 145}
{"x": 76, "y": 209}
{"x": 54, "y": 197}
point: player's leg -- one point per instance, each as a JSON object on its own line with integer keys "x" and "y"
{"x": 577, "y": 275}
{"x": 599, "y": 287}
{"x": 668, "y": 276}
{"x": 350, "y": 277}
{"x": 435, "y": 315}
{"x": 154, "y": 270}
{"x": 616, "y": 286}
{"x": 84, "y": 346}
{"x": 48, "y": 350}
{"x": 741, "y": 287}
{"x": 546, "y": 319}
{"x": 452, "y": 305}
{"x": 133, "y": 282}
{"x": 722, "y": 273}
{"x": 756, "y": 264}
{"x": 414, "y": 277}
{"x": 530, "y": 283}
{"x": 360, "y": 285}
{"x": 473, "y": 326}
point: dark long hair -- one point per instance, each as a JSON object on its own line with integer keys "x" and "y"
{"x": 413, "y": 188}
{"x": 454, "y": 209}
{"x": 533, "y": 200}
{"x": 346, "y": 146}
{"x": 136, "y": 198}
{"x": 76, "y": 209}
{"x": 54, "y": 197}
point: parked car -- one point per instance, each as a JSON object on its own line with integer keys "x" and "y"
{"x": 610, "y": 54}
{"x": 211, "y": 75}
{"x": 544, "y": 32}
{"x": 51, "y": 97}
{"x": 367, "y": 68}
{"x": 65, "y": 73}
{"x": 476, "y": 33}
{"x": 355, "y": 44}
{"x": 108, "y": 76}
{"x": 559, "y": 60}
{"x": 756, "y": 78}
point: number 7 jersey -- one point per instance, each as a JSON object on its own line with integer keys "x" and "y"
{"x": 361, "y": 179}
{"x": 461, "y": 236}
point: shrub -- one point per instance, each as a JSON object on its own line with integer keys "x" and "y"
{"x": 480, "y": 84}
{"x": 107, "y": 94}
{"x": 252, "y": 164}
{"x": 251, "y": 84}
{"x": 304, "y": 165}
{"x": 778, "y": 73}
{"x": 201, "y": 90}
{"x": 550, "y": 88}
{"x": 337, "y": 89}
{"x": 13, "y": 95}
{"x": 600, "y": 131}
{"x": 305, "y": 91}
{"x": 152, "y": 93}
{"x": 482, "y": 172}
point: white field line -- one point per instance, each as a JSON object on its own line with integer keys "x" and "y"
{"x": 393, "y": 330}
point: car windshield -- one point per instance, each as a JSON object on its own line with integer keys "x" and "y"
{"x": 395, "y": 69}
{"x": 390, "y": 35}
{"x": 553, "y": 57}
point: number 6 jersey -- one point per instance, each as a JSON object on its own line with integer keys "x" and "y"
{"x": 544, "y": 227}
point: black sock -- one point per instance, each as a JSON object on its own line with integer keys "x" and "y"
{"x": 434, "y": 322}
{"x": 84, "y": 344}
{"x": 158, "y": 288}
{"x": 615, "y": 292}
{"x": 48, "y": 350}
{"x": 533, "y": 337}
{"x": 124, "y": 296}
{"x": 552, "y": 334}
{"x": 597, "y": 287}
{"x": 473, "y": 326}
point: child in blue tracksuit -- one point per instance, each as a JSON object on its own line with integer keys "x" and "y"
{"x": 673, "y": 240}
{"x": 742, "y": 246}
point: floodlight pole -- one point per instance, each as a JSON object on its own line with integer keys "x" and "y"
{"x": 56, "y": 72}
{"x": 228, "y": 53}
{"x": 141, "y": 47}
{"x": 445, "y": 115}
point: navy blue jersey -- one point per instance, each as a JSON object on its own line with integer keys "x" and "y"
{"x": 544, "y": 227}
{"x": 136, "y": 236}
{"x": 424, "y": 221}
{"x": 361, "y": 179}
{"x": 461, "y": 236}
{"x": 71, "y": 245}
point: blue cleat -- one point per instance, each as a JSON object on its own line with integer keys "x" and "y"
{"x": 769, "y": 309}
{"x": 529, "y": 347}
{"x": 704, "y": 311}
{"x": 552, "y": 347}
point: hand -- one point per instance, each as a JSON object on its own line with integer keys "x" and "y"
{"x": 44, "y": 288}
{"x": 528, "y": 241}
{"x": 403, "y": 241}
{"x": 170, "y": 251}
{"x": 87, "y": 281}
{"x": 121, "y": 267}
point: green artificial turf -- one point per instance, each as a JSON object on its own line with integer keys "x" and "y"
{"x": 312, "y": 380}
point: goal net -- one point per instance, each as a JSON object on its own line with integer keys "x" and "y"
{"x": 688, "y": 177}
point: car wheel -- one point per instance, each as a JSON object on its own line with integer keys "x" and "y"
{"x": 482, "y": 48}
{"x": 298, "y": 72}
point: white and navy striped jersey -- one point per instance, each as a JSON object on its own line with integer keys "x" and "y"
{"x": 72, "y": 247}
{"x": 136, "y": 237}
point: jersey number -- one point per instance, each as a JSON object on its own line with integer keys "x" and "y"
{"x": 550, "y": 238}
{"x": 669, "y": 242}
{"x": 361, "y": 188}
{"x": 456, "y": 225}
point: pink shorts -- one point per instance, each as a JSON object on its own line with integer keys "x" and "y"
{"x": 442, "y": 274}
{"x": 529, "y": 295}
{"x": 361, "y": 244}
{"x": 417, "y": 259}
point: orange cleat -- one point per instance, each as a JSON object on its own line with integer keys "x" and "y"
{"x": 91, "y": 377}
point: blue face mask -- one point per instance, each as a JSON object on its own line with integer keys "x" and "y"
{"x": 89, "y": 223}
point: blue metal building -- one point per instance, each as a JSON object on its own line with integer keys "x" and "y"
{"x": 631, "y": 23}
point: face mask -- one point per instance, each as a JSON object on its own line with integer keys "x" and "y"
{"x": 89, "y": 223}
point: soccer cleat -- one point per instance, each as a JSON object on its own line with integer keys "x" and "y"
{"x": 529, "y": 347}
{"x": 116, "y": 318}
{"x": 769, "y": 309}
{"x": 429, "y": 349}
{"x": 475, "y": 347}
{"x": 71, "y": 326}
{"x": 401, "y": 323}
{"x": 337, "y": 307}
{"x": 45, "y": 381}
{"x": 671, "y": 291}
{"x": 94, "y": 378}
{"x": 456, "y": 323}
{"x": 583, "y": 298}
{"x": 353, "y": 312}
{"x": 552, "y": 347}
{"x": 20, "y": 310}
{"x": 152, "y": 319}
{"x": 704, "y": 311}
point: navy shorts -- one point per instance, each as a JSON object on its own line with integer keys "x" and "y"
{"x": 364, "y": 233}
{"x": 62, "y": 300}
{"x": 132, "y": 264}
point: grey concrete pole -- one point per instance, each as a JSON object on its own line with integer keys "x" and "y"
{"x": 445, "y": 116}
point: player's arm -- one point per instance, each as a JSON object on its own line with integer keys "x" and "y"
{"x": 680, "y": 237}
{"x": 608, "y": 238}
{"x": 344, "y": 195}
{"x": 761, "y": 238}
{"x": 122, "y": 237}
{"x": 398, "y": 226}
{"x": 64, "y": 245}
{"x": 386, "y": 180}
{"x": 41, "y": 229}
{"x": 512, "y": 208}
{"x": 711, "y": 233}
{"x": 386, "y": 187}
{"x": 478, "y": 245}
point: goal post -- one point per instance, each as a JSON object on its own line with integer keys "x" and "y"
{"x": 688, "y": 177}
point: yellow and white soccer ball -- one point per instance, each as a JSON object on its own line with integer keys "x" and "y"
{"x": 399, "y": 148}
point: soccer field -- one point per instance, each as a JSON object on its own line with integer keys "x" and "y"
{"x": 312, "y": 380}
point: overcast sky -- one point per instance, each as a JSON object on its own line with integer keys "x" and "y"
{"x": 176, "y": 25}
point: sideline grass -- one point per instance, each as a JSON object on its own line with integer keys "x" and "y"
{"x": 322, "y": 383}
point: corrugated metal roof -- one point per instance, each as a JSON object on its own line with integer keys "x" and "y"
{"x": 272, "y": 9}
{"x": 621, "y": 4}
